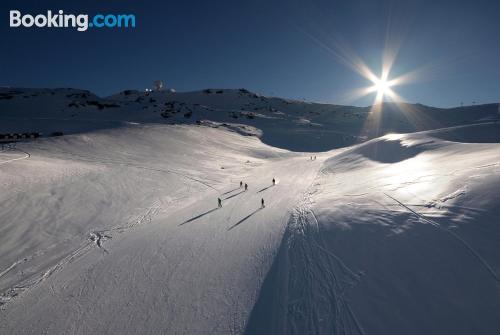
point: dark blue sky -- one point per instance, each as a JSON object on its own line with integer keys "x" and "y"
{"x": 265, "y": 46}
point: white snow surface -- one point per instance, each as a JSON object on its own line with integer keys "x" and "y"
{"x": 115, "y": 228}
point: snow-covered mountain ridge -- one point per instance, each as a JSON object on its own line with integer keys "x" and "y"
{"x": 284, "y": 123}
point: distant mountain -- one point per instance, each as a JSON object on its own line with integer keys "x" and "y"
{"x": 284, "y": 123}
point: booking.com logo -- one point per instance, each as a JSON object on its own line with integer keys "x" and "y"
{"x": 61, "y": 20}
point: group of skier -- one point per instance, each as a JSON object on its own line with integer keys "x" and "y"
{"x": 313, "y": 158}
{"x": 246, "y": 185}
{"x": 262, "y": 204}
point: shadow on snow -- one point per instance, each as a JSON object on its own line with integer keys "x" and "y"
{"x": 244, "y": 219}
{"x": 199, "y": 216}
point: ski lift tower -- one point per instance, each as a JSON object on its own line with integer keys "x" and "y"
{"x": 157, "y": 85}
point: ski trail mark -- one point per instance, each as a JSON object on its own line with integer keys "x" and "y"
{"x": 473, "y": 251}
{"x": 26, "y": 156}
{"x": 35, "y": 279}
{"x": 96, "y": 238}
{"x": 127, "y": 164}
{"x": 317, "y": 280}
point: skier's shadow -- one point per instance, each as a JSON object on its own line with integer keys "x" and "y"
{"x": 199, "y": 216}
{"x": 232, "y": 196}
{"x": 245, "y": 218}
{"x": 265, "y": 188}
{"x": 234, "y": 189}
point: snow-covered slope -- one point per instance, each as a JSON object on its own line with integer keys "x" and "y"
{"x": 115, "y": 229}
{"x": 399, "y": 235}
{"x": 129, "y": 218}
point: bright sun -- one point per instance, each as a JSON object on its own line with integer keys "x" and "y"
{"x": 382, "y": 86}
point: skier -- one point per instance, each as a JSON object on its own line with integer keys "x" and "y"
{"x": 246, "y": 186}
{"x": 274, "y": 182}
{"x": 262, "y": 203}
{"x": 241, "y": 184}
{"x": 220, "y": 202}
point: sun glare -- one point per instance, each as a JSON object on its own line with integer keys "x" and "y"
{"x": 382, "y": 86}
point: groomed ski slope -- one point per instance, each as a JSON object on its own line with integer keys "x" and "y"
{"x": 181, "y": 266}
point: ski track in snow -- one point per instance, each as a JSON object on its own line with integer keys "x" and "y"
{"x": 317, "y": 280}
{"x": 122, "y": 163}
{"x": 96, "y": 237}
{"x": 34, "y": 280}
{"x": 26, "y": 155}
{"x": 474, "y": 252}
